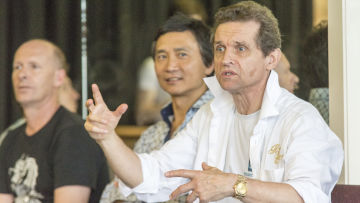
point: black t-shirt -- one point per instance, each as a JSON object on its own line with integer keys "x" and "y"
{"x": 60, "y": 154}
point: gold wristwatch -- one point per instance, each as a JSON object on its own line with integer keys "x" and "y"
{"x": 240, "y": 187}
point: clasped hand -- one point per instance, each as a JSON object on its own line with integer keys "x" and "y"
{"x": 101, "y": 122}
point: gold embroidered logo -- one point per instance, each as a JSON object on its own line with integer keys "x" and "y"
{"x": 276, "y": 150}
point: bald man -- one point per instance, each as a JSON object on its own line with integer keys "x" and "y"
{"x": 287, "y": 79}
{"x": 68, "y": 98}
{"x": 50, "y": 158}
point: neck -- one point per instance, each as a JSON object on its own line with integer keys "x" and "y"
{"x": 37, "y": 116}
{"x": 249, "y": 100}
{"x": 182, "y": 104}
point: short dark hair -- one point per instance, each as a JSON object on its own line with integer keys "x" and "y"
{"x": 180, "y": 23}
{"x": 268, "y": 37}
{"x": 316, "y": 56}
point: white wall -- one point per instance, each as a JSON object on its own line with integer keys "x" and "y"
{"x": 344, "y": 81}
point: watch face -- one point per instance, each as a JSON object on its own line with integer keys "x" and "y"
{"x": 241, "y": 189}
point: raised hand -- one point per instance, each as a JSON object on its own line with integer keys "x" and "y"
{"x": 210, "y": 184}
{"x": 101, "y": 122}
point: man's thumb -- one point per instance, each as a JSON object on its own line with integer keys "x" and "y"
{"x": 120, "y": 110}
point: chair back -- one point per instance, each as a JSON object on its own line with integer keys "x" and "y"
{"x": 346, "y": 194}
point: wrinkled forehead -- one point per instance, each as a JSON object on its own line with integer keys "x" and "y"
{"x": 237, "y": 30}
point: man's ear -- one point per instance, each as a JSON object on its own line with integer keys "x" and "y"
{"x": 59, "y": 79}
{"x": 273, "y": 59}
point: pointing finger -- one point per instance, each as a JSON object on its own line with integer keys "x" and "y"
{"x": 97, "y": 94}
{"x": 182, "y": 173}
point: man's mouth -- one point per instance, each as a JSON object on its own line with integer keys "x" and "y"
{"x": 23, "y": 87}
{"x": 228, "y": 73}
{"x": 173, "y": 79}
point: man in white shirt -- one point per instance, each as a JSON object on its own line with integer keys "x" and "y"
{"x": 255, "y": 142}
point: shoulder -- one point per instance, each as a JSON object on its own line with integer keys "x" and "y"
{"x": 18, "y": 123}
{"x": 70, "y": 137}
{"x": 301, "y": 117}
{"x": 66, "y": 123}
{"x": 152, "y": 138}
{"x": 300, "y": 126}
{"x": 156, "y": 128}
{"x": 290, "y": 105}
{"x": 67, "y": 128}
{"x": 67, "y": 119}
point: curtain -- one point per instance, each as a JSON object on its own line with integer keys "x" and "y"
{"x": 120, "y": 35}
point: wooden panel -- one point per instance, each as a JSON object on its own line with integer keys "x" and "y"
{"x": 130, "y": 133}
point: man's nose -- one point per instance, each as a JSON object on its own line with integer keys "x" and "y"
{"x": 227, "y": 58}
{"x": 22, "y": 73}
{"x": 173, "y": 64}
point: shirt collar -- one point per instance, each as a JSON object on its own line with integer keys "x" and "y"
{"x": 271, "y": 95}
{"x": 224, "y": 102}
{"x": 167, "y": 112}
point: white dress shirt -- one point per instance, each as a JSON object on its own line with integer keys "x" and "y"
{"x": 291, "y": 143}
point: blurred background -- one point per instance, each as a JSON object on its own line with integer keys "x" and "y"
{"x": 119, "y": 38}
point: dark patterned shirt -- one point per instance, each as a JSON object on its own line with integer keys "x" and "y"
{"x": 319, "y": 97}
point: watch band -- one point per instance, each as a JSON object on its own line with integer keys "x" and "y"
{"x": 240, "y": 187}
